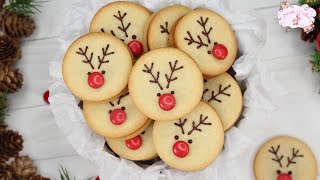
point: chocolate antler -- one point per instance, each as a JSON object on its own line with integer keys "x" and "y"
{"x": 294, "y": 155}
{"x": 201, "y": 122}
{"x": 155, "y": 79}
{"x": 181, "y": 124}
{"x": 203, "y": 24}
{"x": 191, "y": 40}
{"x": 204, "y": 91}
{"x": 275, "y": 153}
{"x": 173, "y": 69}
{"x": 84, "y": 53}
{"x": 221, "y": 91}
{"x": 122, "y": 28}
{"x": 104, "y": 54}
{"x": 122, "y": 96}
{"x": 164, "y": 29}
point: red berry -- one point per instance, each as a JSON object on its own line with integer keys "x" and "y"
{"x": 284, "y": 177}
{"x": 134, "y": 143}
{"x": 318, "y": 42}
{"x": 97, "y": 178}
{"x": 46, "y": 97}
{"x": 118, "y": 116}
{"x": 95, "y": 80}
{"x": 167, "y": 102}
{"x": 180, "y": 149}
{"x": 219, "y": 51}
{"x": 135, "y": 47}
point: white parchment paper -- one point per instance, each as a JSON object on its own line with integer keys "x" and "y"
{"x": 250, "y": 32}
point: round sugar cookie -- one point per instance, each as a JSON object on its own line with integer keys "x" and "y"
{"x": 114, "y": 119}
{"x": 96, "y": 67}
{"x": 145, "y": 33}
{"x": 125, "y": 20}
{"x": 192, "y": 142}
{"x": 285, "y": 158}
{"x": 165, "y": 84}
{"x": 160, "y": 26}
{"x": 224, "y": 95}
{"x": 140, "y": 147}
{"x": 208, "y": 39}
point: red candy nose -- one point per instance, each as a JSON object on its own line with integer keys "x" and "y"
{"x": 134, "y": 143}
{"x": 118, "y": 116}
{"x": 219, "y": 51}
{"x": 284, "y": 177}
{"x": 135, "y": 47}
{"x": 95, "y": 80}
{"x": 180, "y": 149}
{"x": 46, "y": 97}
{"x": 167, "y": 102}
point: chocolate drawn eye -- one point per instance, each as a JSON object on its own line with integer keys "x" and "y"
{"x": 159, "y": 94}
{"x": 143, "y": 132}
{"x": 290, "y": 173}
{"x": 110, "y": 111}
{"x": 278, "y": 172}
{"x": 172, "y": 92}
{"x": 190, "y": 141}
{"x": 123, "y": 108}
{"x": 89, "y": 73}
{"x": 103, "y": 72}
{"x": 134, "y": 37}
{"x": 209, "y": 52}
{"x": 176, "y": 137}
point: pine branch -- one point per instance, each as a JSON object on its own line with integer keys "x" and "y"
{"x": 315, "y": 61}
{"x": 3, "y": 106}
{"x": 64, "y": 174}
{"x": 24, "y": 7}
{"x": 310, "y": 2}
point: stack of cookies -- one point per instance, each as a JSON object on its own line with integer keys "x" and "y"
{"x": 156, "y": 84}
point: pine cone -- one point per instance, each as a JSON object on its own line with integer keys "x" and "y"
{"x": 11, "y": 144}
{"x": 3, "y": 127}
{"x": 17, "y": 26}
{"x": 10, "y": 80}
{"x": 38, "y": 177}
{"x": 23, "y": 167}
{"x": 6, "y": 171}
{"x": 9, "y": 50}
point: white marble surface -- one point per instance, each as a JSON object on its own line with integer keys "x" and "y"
{"x": 294, "y": 101}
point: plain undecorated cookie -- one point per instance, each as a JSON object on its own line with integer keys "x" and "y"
{"x": 114, "y": 119}
{"x": 165, "y": 84}
{"x": 285, "y": 158}
{"x": 96, "y": 67}
{"x": 160, "y": 26}
{"x": 125, "y": 20}
{"x": 224, "y": 95}
{"x": 208, "y": 39}
{"x": 192, "y": 142}
{"x": 140, "y": 147}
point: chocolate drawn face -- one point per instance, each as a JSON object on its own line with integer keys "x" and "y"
{"x": 180, "y": 147}
{"x": 96, "y": 75}
{"x": 167, "y": 100}
{"x": 118, "y": 115}
{"x": 278, "y": 158}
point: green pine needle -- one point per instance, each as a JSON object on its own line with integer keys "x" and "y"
{"x": 64, "y": 174}
{"x": 23, "y": 7}
{"x": 310, "y": 2}
{"x": 315, "y": 61}
{"x": 3, "y": 106}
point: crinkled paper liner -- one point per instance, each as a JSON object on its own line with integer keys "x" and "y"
{"x": 250, "y": 33}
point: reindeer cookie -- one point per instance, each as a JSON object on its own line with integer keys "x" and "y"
{"x": 208, "y": 39}
{"x": 159, "y": 29}
{"x": 96, "y": 67}
{"x": 140, "y": 147}
{"x": 165, "y": 84}
{"x": 114, "y": 119}
{"x": 124, "y": 20}
{"x": 192, "y": 142}
{"x": 285, "y": 158}
{"x": 223, "y": 94}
